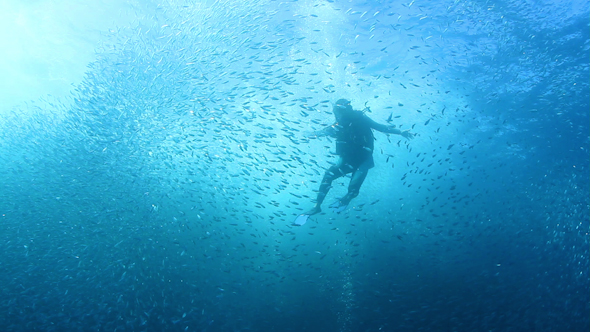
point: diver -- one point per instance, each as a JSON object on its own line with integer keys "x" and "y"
{"x": 353, "y": 132}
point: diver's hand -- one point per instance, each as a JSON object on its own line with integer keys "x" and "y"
{"x": 407, "y": 134}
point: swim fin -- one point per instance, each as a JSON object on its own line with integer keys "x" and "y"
{"x": 301, "y": 219}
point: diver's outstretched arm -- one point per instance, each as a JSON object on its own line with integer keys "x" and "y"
{"x": 389, "y": 129}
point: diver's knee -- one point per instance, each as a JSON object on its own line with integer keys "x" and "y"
{"x": 328, "y": 178}
{"x": 331, "y": 174}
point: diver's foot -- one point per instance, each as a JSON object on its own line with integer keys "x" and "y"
{"x": 338, "y": 207}
{"x": 314, "y": 210}
{"x": 346, "y": 199}
{"x": 341, "y": 204}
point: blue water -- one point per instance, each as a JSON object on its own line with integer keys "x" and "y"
{"x": 158, "y": 193}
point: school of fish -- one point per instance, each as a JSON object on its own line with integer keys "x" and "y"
{"x": 160, "y": 194}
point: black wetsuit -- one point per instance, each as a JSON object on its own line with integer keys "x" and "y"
{"x": 354, "y": 145}
{"x": 355, "y": 140}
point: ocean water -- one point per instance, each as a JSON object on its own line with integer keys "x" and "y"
{"x": 154, "y": 154}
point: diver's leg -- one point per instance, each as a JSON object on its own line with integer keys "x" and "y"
{"x": 331, "y": 174}
{"x": 354, "y": 187}
{"x": 357, "y": 179}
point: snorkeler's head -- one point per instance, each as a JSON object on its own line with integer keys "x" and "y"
{"x": 341, "y": 108}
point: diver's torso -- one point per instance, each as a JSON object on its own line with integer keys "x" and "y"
{"x": 354, "y": 136}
